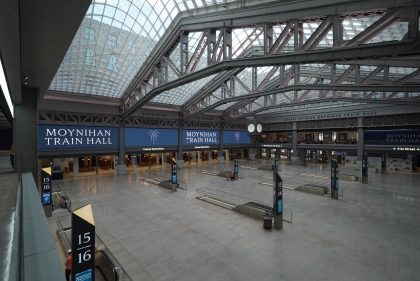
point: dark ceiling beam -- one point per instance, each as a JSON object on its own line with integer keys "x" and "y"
{"x": 321, "y": 56}
{"x": 359, "y": 88}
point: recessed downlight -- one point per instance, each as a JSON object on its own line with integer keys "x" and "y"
{"x": 26, "y": 77}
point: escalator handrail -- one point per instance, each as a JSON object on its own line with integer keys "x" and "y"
{"x": 111, "y": 263}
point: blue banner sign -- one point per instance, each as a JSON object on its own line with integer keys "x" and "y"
{"x": 200, "y": 137}
{"x": 235, "y": 137}
{"x": 146, "y": 137}
{"x": 56, "y": 137}
{"x": 392, "y": 137}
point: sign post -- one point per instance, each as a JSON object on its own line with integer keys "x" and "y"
{"x": 383, "y": 160}
{"x": 277, "y": 200}
{"x": 46, "y": 196}
{"x": 174, "y": 178}
{"x": 83, "y": 244}
{"x": 236, "y": 167}
{"x": 276, "y": 161}
{"x": 305, "y": 158}
{"x": 314, "y": 157}
{"x": 334, "y": 179}
{"x": 365, "y": 169}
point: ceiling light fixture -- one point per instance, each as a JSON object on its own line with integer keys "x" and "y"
{"x": 26, "y": 77}
{"x": 4, "y": 87}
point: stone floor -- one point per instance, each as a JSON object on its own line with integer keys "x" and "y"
{"x": 371, "y": 233}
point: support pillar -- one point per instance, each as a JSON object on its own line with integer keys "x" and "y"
{"x": 360, "y": 142}
{"x": 227, "y": 155}
{"x": 121, "y": 166}
{"x": 242, "y": 154}
{"x": 180, "y": 154}
{"x": 295, "y": 157}
{"x": 75, "y": 167}
{"x": 200, "y": 157}
{"x": 329, "y": 156}
{"x": 25, "y": 132}
{"x": 164, "y": 161}
{"x": 97, "y": 164}
{"x": 210, "y": 156}
{"x": 251, "y": 154}
{"x": 220, "y": 158}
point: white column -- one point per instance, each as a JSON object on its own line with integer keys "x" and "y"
{"x": 200, "y": 157}
{"x": 227, "y": 155}
{"x": 163, "y": 161}
{"x": 76, "y": 167}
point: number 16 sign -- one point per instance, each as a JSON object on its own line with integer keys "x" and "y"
{"x": 83, "y": 244}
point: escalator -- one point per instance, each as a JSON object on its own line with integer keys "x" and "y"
{"x": 107, "y": 267}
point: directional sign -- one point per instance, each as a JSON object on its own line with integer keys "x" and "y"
{"x": 83, "y": 244}
{"x": 276, "y": 160}
{"x": 236, "y": 164}
{"x": 277, "y": 194}
{"x": 174, "y": 171}
{"x": 46, "y": 180}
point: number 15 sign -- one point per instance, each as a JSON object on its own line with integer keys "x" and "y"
{"x": 83, "y": 244}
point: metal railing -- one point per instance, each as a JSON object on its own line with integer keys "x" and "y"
{"x": 234, "y": 199}
{"x": 64, "y": 235}
{"x": 159, "y": 177}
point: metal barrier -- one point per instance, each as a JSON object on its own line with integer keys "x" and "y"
{"x": 235, "y": 200}
{"x": 157, "y": 178}
{"x": 109, "y": 265}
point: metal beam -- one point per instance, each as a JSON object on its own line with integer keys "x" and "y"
{"x": 343, "y": 54}
{"x": 375, "y": 101}
{"x": 275, "y": 12}
{"x": 380, "y": 88}
{"x": 389, "y": 18}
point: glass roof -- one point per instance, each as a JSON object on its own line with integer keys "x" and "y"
{"x": 116, "y": 37}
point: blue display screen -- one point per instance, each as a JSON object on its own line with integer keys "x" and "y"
{"x": 235, "y": 137}
{"x": 150, "y": 137}
{"x": 392, "y": 137}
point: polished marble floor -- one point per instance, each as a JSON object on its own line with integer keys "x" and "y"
{"x": 371, "y": 233}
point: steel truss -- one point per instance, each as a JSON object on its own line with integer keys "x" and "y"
{"x": 65, "y": 118}
{"x": 152, "y": 78}
{"x": 409, "y": 119}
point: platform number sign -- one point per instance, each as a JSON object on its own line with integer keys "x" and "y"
{"x": 174, "y": 171}
{"x": 334, "y": 175}
{"x": 46, "y": 181}
{"x": 83, "y": 244}
{"x": 277, "y": 194}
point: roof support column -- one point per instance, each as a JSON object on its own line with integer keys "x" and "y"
{"x": 180, "y": 160}
{"x": 121, "y": 167}
{"x": 211, "y": 45}
{"x": 298, "y": 35}
{"x": 268, "y": 38}
{"x": 227, "y": 43}
{"x": 254, "y": 79}
{"x": 220, "y": 158}
{"x": 386, "y": 79}
{"x": 413, "y": 22}
{"x": 184, "y": 51}
{"x": 360, "y": 142}
{"x": 337, "y": 31}
{"x": 333, "y": 77}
